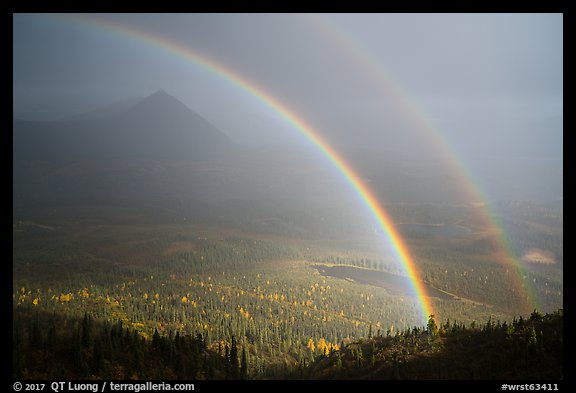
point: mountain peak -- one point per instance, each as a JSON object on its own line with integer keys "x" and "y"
{"x": 158, "y": 126}
{"x": 159, "y": 103}
{"x": 161, "y": 98}
{"x": 158, "y": 99}
{"x": 159, "y": 94}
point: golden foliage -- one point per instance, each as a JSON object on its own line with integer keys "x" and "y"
{"x": 65, "y": 298}
{"x": 311, "y": 345}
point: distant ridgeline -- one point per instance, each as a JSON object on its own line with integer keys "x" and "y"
{"x": 157, "y": 127}
{"x": 51, "y": 346}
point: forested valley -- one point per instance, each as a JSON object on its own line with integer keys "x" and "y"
{"x": 204, "y": 306}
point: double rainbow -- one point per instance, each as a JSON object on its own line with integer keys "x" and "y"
{"x": 362, "y": 57}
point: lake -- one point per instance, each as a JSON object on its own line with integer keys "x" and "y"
{"x": 391, "y": 282}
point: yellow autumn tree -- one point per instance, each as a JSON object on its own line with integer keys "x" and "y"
{"x": 64, "y": 298}
{"x": 311, "y": 345}
{"x": 84, "y": 293}
{"x": 322, "y": 347}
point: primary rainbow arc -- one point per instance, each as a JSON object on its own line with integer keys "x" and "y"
{"x": 363, "y": 192}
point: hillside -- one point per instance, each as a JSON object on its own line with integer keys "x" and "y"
{"x": 54, "y": 347}
{"x": 518, "y": 350}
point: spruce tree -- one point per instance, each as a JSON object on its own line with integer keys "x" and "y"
{"x": 432, "y": 327}
{"x": 234, "y": 359}
{"x": 86, "y": 330}
{"x": 244, "y": 365}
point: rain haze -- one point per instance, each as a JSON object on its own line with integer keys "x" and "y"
{"x": 467, "y": 73}
{"x": 412, "y": 159}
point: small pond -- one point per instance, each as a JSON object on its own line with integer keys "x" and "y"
{"x": 392, "y": 282}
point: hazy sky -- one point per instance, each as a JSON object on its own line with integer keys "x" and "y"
{"x": 358, "y": 78}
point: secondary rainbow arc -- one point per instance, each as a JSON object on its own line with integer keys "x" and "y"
{"x": 371, "y": 67}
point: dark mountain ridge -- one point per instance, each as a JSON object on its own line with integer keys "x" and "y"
{"x": 156, "y": 127}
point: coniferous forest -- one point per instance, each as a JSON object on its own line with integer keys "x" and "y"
{"x": 226, "y": 309}
{"x": 49, "y": 347}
